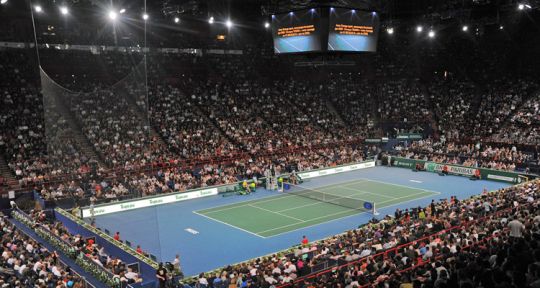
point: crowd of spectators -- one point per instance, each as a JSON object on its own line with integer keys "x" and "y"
{"x": 524, "y": 125}
{"x": 27, "y": 263}
{"x": 203, "y": 118}
{"x": 92, "y": 251}
{"x": 472, "y": 155}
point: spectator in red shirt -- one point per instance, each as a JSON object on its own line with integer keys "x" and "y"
{"x": 305, "y": 241}
{"x": 139, "y": 249}
{"x": 117, "y": 236}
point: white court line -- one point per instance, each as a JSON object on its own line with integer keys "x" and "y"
{"x": 387, "y": 201}
{"x": 272, "y": 198}
{"x": 367, "y": 192}
{"x": 246, "y": 203}
{"x": 270, "y": 211}
{"x": 400, "y": 203}
{"x": 410, "y": 187}
{"x": 316, "y": 218}
{"x": 313, "y": 204}
{"x": 415, "y": 181}
{"x": 308, "y": 226}
{"x": 330, "y": 185}
{"x": 229, "y": 225}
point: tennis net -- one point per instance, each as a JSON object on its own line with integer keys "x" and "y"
{"x": 344, "y": 201}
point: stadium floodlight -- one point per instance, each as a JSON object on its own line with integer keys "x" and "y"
{"x": 501, "y": 27}
{"x": 64, "y": 10}
{"x": 291, "y": 13}
{"x": 228, "y": 23}
{"x": 122, "y": 11}
{"x": 312, "y": 10}
{"x": 521, "y": 6}
{"x": 528, "y": 6}
{"x": 431, "y": 34}
{"x": 176, "y": 19}
{"x": 390, "y": 30}
{"x": 419, "y": 28}
{"x": 38, "y": 9}
{"x": 112, "y": 15}
{"x": 266, "y": 25}
{"x": 465, "y": 28}
{"x": 3, "y": 1}
{"x": 211, "y": 20}
{"x": 145, "y": 16}
{"x": 353, "y": 11}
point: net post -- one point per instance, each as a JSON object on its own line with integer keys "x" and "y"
{"x": 374, "y": 210}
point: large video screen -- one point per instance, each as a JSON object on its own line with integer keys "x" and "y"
{"x": 352, "y": 30}
{"x": 297, "y": 31}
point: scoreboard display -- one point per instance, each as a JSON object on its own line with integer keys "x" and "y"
{"x": 325, "y": 29}
{"x": 297, "y": 31}
{"x": 351, "y": 30}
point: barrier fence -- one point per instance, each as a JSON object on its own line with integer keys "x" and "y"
{"x": 481, "y": 173}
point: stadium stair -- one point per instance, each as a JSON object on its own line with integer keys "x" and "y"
{"x": 214, "y": 124}
{"x": 71, "y": 263}
{"x": 333, "y": 111}
{"x": 6, "y": 173}
{"x": 75, "y": 133}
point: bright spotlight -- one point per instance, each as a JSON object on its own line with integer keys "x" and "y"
{"x": 122, "y": 11}
{"x": 390, "y": 30}
{"x": 501, "y": 27}
{"x": 229, "y": 23}
{"x": 112, "y": 15}
{"x": 431, "y": 34}
{"x": 38, "y": 8}
{"x": 353, "y": 11}
{"x": 64, "y": 10}
{"x": 176, "y": 19}
{"x": 266, "y": 25}
{"x": 211, "y": 20}
{"x": 528, "y": 6}
{"x": 521, "y": 6}
{"x": 419, "y": 28}
{"x": 145, "y": 16}
{"x": 3, "y": 1}
{"x": 465, "y": 28}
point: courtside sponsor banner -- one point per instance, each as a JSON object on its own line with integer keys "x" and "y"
{"x": 340, "y": 169}
{"x": 459, "y": 170}
{"x": 502, "y": 178}
{"x": 489, "y": 174}
{"x": 405, "y": 163}
{"x": 142, "y": 203}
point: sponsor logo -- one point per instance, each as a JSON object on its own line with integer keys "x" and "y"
{"x": 127, "y": 206}
{"x": 503, "y": 178}
{"x": 156, "y": 201}
{"x": 181, "y": 196}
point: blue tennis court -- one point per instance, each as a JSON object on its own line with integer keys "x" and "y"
{"x": 206, "y": 240}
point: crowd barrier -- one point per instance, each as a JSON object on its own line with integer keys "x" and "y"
{"x": 29, "y": 222}
{"x": 147, "y": 267}
{"x": 484, "y": 173}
